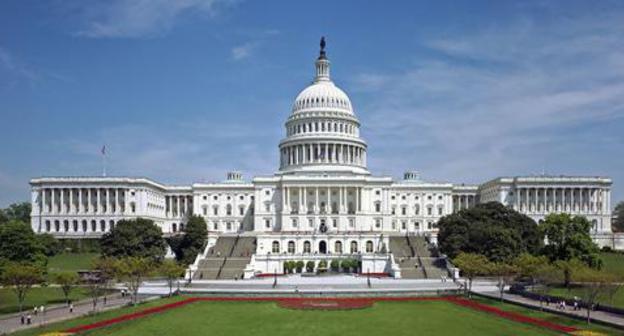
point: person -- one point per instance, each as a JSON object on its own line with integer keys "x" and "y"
{"x": 22, "y": 318}
{"x": 71, "y": 308}
{"x": 104, "y": 299}
{"x": 575, "y": 305}
{"x": 35, "y": 310}
{"x": 42, "y": 309}
{"x": 28, "y": 319}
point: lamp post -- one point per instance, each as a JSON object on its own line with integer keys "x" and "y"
{"x": 275, "y": 278}
{"x": 368, "y": 277}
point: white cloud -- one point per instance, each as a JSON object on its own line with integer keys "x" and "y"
{"x": 500, "y": 101}
{"x": 243, "y": 51}
{"x": 141, "y": 18}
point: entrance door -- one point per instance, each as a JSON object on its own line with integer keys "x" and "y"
{"x": 323, "y": 247}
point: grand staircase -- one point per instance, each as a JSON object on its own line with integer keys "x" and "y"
{"x": 416, "y": 258}
{"x": 227, "y": 259}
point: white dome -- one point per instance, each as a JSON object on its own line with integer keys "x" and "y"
{"x": 322, "y": 95}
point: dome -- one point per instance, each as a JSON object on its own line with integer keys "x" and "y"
{"x": 322, "y": 95}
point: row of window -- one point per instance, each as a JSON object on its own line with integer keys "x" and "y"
{"x": 323, "y": 126}
{"x": 307, "y": 247}
{"x": 228, "y": 210}
{"x": 321, "y": 102}
{"x": 76, "y": 226}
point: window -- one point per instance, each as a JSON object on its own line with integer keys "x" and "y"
{"x": 404, "y": 225}
{"x": 228, "y": 226}
{"x": 377, "y": 192}
{"x": 429, "y": 211}
{"x": 241, "y": 211}
{"x": 351, "y": 222}
{"x": 102, "y": 226}
{"x": 267, "y": 223}
{"x": 215, "y": 210}
{"x": 275, "y": 248}
{"x": 335, "y": 223}
{"x": 403, "y": 197}
{"x": 440, "y": 197}
{"x": 393, "y": 197}
{"x": 267, "y": 207}
{"x": 378, "y": 223}
{"x": 174, "y": 227}
{"x": 291, "y": 247}
{"x": 205, "y": 197}
{"x": 47, "y": 226}
{"x": 215, "y": 197}
{"x": 417, "y": 210}
{"x": 403, "y": 211}
{"x": 181, "y": 227}
{"x": 228, "y": 210}
{"x": 417, "y": 225}
{"x": 75, "y": 225}
{"x": 377, "y": 207}
{"x": 294, "y": 222}
{"x": 215, "y": 226}
{"x": 205, "y": 211}
{"x": 241, "y": 197}
{"x": 393, "y": 210}
{"x": 338, "y": 247}
{"x": 354, "y": 247}
{"x": 440, "y": 211}
{"x": 93, "y": 226}
{"x": 393, "y": 224}
{"x": 306, "y": 247}
{"x": 369, "y": 246}
{"x": 311, "y": 222}
{"x": 84, "y": 226}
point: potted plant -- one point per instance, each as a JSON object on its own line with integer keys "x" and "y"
{"x": 310, "y": 266}
{"x": 335, "y": 265}
{"x": 299, "y": 266}
{"x": 322, "y": 266}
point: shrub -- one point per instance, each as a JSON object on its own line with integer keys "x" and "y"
{"x": 310, "y": 266}
{"x": 346, "y": 265}
{"x": 335, "y": 265}
{"x": 322, "y": 265}
{"x": 299, "y": 265}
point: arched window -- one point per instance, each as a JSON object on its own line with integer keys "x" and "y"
{"x": 181, "y": 226}
{"x": 354, "y": 247}
{"x": 75, "y": 225}
{"x": 215, "y": 210}
{"x": 84, "y": 225}
{"x": 275, "y": 248}
{"x": 369, "y": 247}
{"x": 174, "y": 227}
{"x": 377, "y": 206}
{"x": 111, "y": 224}
{"x": 291, "y": 247}
{"x": 417, "y": 209}
{"x": 228, "y": 210}
{"x": 57, "y": 226}
{"x": 47, "y": 225}
{"x": 338, "y": 247}
{"x": 306, "y": 247}
{"x": 93, "y": 226}
{"x": 102, "y": 225}
{"x": 65, "y": 226}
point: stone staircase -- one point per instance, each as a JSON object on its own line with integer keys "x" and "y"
{"x": 416, "y": 258}
{"x": 227, "y": 259}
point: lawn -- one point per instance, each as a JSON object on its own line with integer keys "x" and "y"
{"x": 266, "y": 318}
{"x": 71, "y": 262}
{"x": 37, "y": 296}
{"x": 613, "y": 262}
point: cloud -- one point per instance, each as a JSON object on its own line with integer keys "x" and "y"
{"x": 505, "y": 100}
{"x": 141, "y": 18}
{"x": 243, "y": 51}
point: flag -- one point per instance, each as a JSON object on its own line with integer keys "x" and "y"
{"x": 103, "y": 150}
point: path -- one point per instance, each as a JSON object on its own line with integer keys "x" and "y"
{"x": 12, "y": 323}
{"x": 600, "y": 316}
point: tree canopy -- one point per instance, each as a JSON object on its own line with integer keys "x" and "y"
{"x": 618, "y": 225}
{"x": 568, "y": 238}
{"x": 19, "y": 243}
{"x": 134, "y": 238}
{"x": 17, "y": 212}
{"x": 490, "y": 229}
{"x": 187, "y": 246}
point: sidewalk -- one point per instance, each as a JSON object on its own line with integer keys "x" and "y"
{"x": 57, "y": 313}
{"x": 597, "y": 316}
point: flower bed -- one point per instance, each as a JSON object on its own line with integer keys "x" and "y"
{"x": 325, "y": 304}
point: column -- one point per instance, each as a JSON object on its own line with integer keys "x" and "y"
{"x": 177, "y": 199}
{"x": 62, "y": 201}
{"x": 317, "y": 207}
{"x": 72, "y": 209}
{"x": 357, "y": 199}
{"x": 304, "y": 199}
{"x": 329, "y": 204}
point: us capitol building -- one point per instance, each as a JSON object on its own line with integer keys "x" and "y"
{"x": 322, "y": 203}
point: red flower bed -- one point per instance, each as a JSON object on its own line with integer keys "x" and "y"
{"x": 325, "y": 304}
{"x": 511, "y": 315}
{"x": 331, "y": 304}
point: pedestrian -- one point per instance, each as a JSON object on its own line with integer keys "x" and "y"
{"x": 71, "y": 308}
{"x": 42, "y": 309}
{"x": 575, "y": 305}
{"x": 35, "y": 310}
{"x": 104, "y": 299}
{"x": 28, "y": 319}
{"x": 22, "y": 318}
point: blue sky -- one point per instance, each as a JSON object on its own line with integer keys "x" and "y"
{"x": 183, "y": 91}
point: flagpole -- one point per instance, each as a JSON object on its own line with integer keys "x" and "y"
{"x": 103, "y": 160}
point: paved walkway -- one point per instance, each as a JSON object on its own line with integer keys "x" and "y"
{"x": 600, "y": 316}
{"x": 57, "y": 313}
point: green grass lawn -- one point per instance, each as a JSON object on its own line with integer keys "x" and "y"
{"x": 613, "y": 262}
{"x": 71, "y": 262}
{"x": 36, "y": 296}
{"x": 266, "y": 318}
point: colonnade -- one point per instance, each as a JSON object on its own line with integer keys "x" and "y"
{"x": 569, "y": 200}
{"x": 178, "y": 205}
{"x": 323, "y": 153}
{"x": 461, "y": 202}
{"x": 322, "y": 200}
{"x": 77, "y": 201}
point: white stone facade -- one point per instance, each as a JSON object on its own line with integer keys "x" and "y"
{"x": 321, "y": 199}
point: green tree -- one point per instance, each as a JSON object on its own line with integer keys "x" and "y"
{"x": 172, "y": 271}
{"x": 16, "y": 211}
{"x": 472, "y": 265}
{"x": 19, "y": 242}
{"x": 596, "y": 286}
{"x": 132, "y": 271}
{"x": 67, "y": 281}
{"x": 618, "y": 212}
{"x": 299, "y": 266}
{"x": 529, "y": 265}
{"x": 21, "y": 277}
{"x": 106, "y": 268}
{"x": 50, "y": 246}
{"x": 569, "y": 238}
{"x": 193, "y": 241}
{"x": 310, "y": 266}
{"x": 567, "y": 269}
{"x": 505, "y": 273}
{"x": 134, "y": 238}
{"x": 490, "y": 229}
